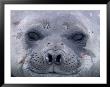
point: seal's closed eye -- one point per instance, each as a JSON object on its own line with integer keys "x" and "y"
{"x": 78, "y": 36}
{"x": 33, "y": 35}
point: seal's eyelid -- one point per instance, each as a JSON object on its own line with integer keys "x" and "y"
{"x": 77, "y": 36}
{"x": 33, "y": 35}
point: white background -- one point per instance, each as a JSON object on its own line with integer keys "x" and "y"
{"x": 65, "y": 80}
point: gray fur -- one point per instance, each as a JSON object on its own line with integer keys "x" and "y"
{"x": 28, "y": 58}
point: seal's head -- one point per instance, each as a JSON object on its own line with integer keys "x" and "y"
{"x": 52, "y": 43}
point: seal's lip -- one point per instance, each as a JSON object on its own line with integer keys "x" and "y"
{"x": 53, "y": 72}
{"x": 57, "y": 73}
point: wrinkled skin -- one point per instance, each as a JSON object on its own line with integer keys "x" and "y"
{"x": 55, "y": 43}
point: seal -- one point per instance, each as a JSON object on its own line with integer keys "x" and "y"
{"x": 55, "y": 43}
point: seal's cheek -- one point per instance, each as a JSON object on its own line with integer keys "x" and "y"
{"x": 86, "y": 52}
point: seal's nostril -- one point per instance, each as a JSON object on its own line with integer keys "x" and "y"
{"x": 58, "y": 59}
{"x": 49, "y": 59}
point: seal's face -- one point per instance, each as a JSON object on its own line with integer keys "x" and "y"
{"x": 54, "y": 46}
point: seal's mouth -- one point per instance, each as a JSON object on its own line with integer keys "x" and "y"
{"x": 55, "y": 73}
{"x": 52, "y": 73}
